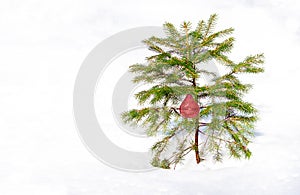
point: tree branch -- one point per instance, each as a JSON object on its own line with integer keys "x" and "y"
{"x": 187, "y": 80}
{"x": 157, "y": 127}
{"x": 215, "y": 137}
{"x": 172, "y": 108}
{"x": 203, "y": 124}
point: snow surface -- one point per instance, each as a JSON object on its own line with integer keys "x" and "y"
{"x": 42, "y": 45}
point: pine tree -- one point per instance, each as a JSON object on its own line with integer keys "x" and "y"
{"x": 225, "y": 123}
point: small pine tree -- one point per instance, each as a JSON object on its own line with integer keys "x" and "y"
{"x": 225, "y": 122}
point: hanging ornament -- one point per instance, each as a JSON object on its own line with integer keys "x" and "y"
{"x": 189, "y": 108}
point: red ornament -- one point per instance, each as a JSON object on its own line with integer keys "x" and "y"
{"x": 189, "y": 107}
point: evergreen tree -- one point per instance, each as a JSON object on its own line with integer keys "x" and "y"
{"x": 225, "y": 122}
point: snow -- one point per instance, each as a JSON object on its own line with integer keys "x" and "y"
{"x": 42, "y": 46}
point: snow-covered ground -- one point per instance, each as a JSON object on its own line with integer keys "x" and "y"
{"x": 42, "y": 45}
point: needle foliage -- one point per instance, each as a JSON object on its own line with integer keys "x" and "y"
{"x": 226, "y": 121}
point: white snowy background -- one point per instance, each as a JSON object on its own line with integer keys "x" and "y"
{"x": 42, "y": 45}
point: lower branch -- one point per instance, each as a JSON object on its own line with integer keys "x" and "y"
{"x": 214, "y": 137}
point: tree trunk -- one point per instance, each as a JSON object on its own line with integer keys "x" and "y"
{"x": 196, "y": 146}
{"x": 197, "y": 132}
